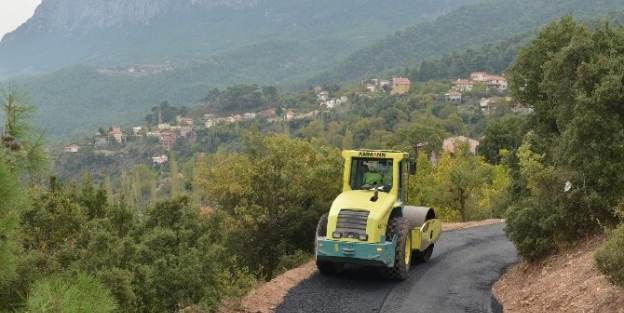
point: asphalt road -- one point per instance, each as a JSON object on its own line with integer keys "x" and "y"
{"x": 458, "y": 278}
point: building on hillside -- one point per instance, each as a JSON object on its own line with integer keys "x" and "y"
{"x": 384, "y": 84}
{"x": 496, "y": 82}
{"x": 233, "y": 118}
{"x": 492, "y": 81}
{"x": 400, "y": 85}
{"x": 167, "y": 140}
{"x": 116, "y": 134}
{"x": 463, "y": 85}
{"x": 160, "y": 159}
{"x": 136, "y": 130}
{"x": 453, "y": 96}
{"x": 322, "y": 96}
{"x": 478, "y": 76}
{"x": 72, "y": 148}
{"x": 249, "y": 115}
{"x": 450, "y": 143}
{"x": 210, "y": 123}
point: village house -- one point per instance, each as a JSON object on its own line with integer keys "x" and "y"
{"x": 322, "y": 96}
{"x": 384, "y": 83}
{"x": 72, "y": 148}
{"x": 478, "y": 76}
{"x": 249, "y": 115}
{"x": 463, "y": 85}
{"x": 450, "y": 143}
{"x": 492, "y": 81}
{"x": 160, "y": 159}
{"x": 116, "y": 134}
{"x": 136, "y": 130}
{"x": 233, "y": 118}
{"x": 496, "y": 82}
{"x": 400, "y": 85}
{"x": 210, "y": 123}
{"x": 453, "y": 96}
{"x": 330, "y": 104}
{"x": 167, "y": 140}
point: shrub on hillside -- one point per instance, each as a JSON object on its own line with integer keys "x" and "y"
{"x": 528, "y": 228}
{"x": 609, "y": 258}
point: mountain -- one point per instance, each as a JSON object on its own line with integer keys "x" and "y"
{"x": 136, "y": 64}
{"x": 109, "y": 33}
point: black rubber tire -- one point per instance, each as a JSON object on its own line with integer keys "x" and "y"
{"x": 321, "y": 228}
{"x": 398, "y": 226}
{"x": 326, "y": 268}
{"x": 423, "y": 256}
{"x": 329, "y": 268}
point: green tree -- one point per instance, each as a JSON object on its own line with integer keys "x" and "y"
{"x": 20, "y": 153}
{"x": 461, "y": 176}
{"x": 277, "y": 183}
{"x": 23, "y": 145}
{"x": 60, "y": 295}
{"x": 570, "y": 75}
{"x": 506, "y": 133}
{"x": 11, "y": 206}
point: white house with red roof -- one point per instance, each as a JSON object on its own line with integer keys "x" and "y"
{"x": 463, "y": 85}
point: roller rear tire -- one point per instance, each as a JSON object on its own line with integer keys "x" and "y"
{"x": 399, "y": 226}
{"x": 423, "y": 256}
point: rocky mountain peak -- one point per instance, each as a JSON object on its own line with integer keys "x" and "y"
{"x": 68, "y": 17}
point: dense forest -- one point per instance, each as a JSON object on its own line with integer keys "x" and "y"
{"x": 108, "y": 230}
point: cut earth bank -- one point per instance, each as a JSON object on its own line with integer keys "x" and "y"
{"x": 566, "y": 282}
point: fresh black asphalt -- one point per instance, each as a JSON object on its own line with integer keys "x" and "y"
{"x": 458, "y": 278}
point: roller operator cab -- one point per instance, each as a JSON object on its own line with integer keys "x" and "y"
{"x": 369, "y": 222}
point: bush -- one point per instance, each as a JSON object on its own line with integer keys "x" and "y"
{"x": 609, "y": 258}
{"x": 288, "y": 262}
{"x": 528, "y": 229}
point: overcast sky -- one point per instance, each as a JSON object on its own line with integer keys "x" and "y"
{"x": 14, "y": 13}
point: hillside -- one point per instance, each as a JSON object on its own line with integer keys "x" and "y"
{"x": 478, "y": 36}
{"x": 469, "y": 27}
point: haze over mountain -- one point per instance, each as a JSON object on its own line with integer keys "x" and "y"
{"x": 108, "y": 62}
{"x": 118, "y": 32}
